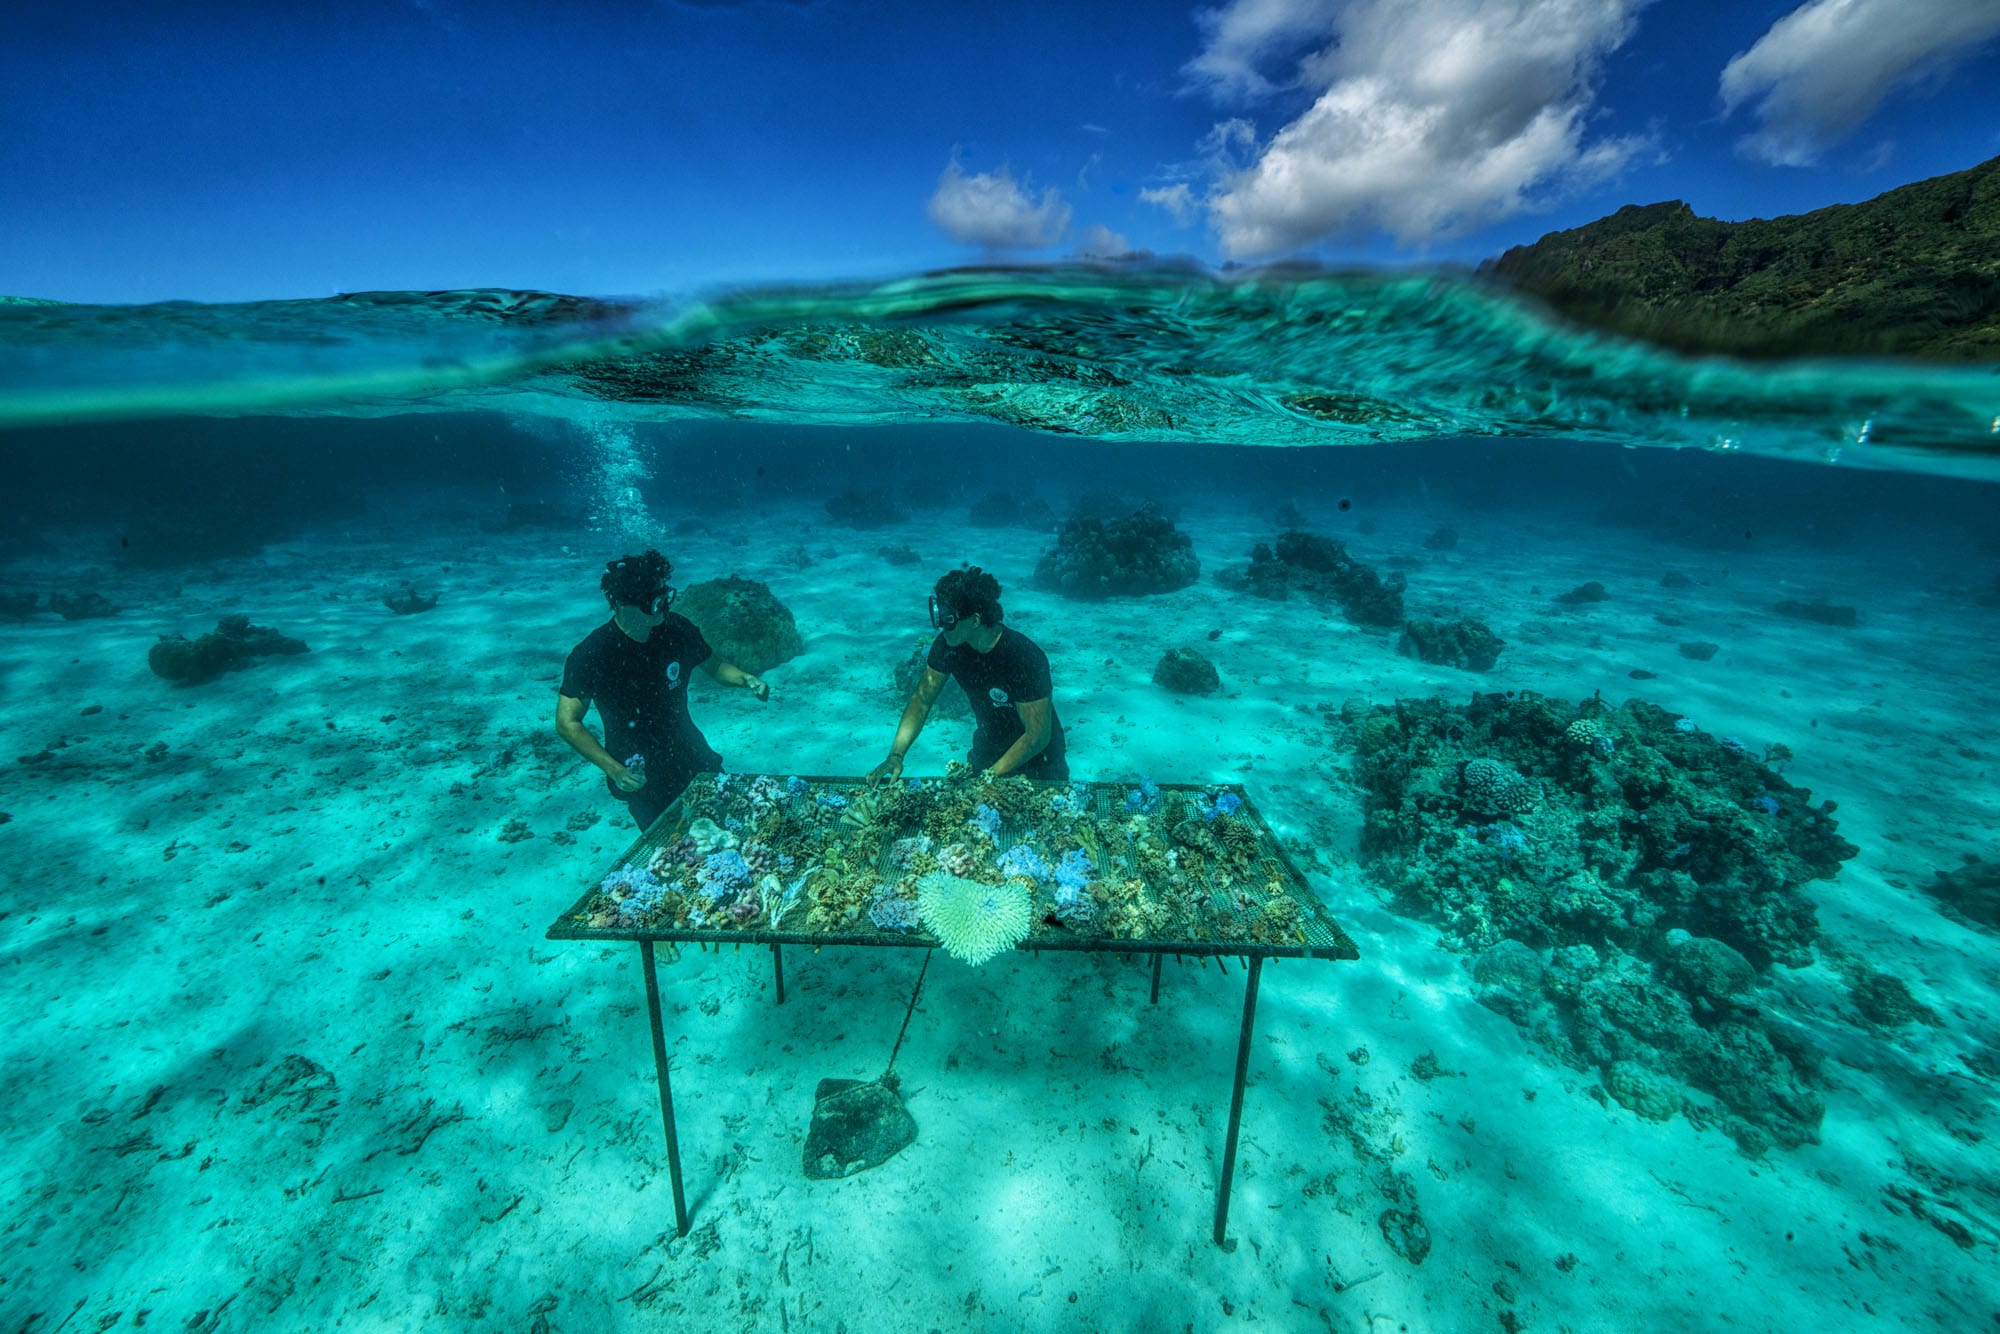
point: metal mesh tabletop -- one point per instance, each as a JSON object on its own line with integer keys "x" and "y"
{"x": 1172, "y": 868}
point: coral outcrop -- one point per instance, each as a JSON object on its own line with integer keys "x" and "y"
{"x": 743, "y": 622}
{"x": 1466, "y": 644}
{"x": 232, "y": 645}
{"x": 1320, "y": 570}
{"x": 1138, "y": 554}
{"x": 1186, "y": 672}
{"x": 1623, "y": 879}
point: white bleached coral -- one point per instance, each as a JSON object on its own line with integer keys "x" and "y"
{"x": 972, "y": 920}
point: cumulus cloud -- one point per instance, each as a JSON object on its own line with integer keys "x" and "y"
{"x": 1177, "y": 199}
{"x": 1241, "y": 40}
{"x": 1823, "y": 68}
{"x": 1431, "y": 118}
{"x": 993, "y": 210}
{"x": 1100, "y": 242}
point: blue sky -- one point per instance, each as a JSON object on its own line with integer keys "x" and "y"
{"x": 228, "y": 152}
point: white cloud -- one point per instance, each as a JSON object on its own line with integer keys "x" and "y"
{"x": 1823, "y": 68}
{"x": 1177, "y": 199}
{"x": 1231, "y": 143}
{"x": 1432, "y": 117}
{"x": 1245, "y": 35}
{"x": 1100, "y": 242}
{"x": 993, "y": 210}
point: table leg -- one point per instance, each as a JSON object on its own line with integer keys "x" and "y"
{"x": 667, "y": 1091}
{"x": 1236, "y": 1099}
{"x": 1157, "y": 959}
{"x": 778, "y": 970}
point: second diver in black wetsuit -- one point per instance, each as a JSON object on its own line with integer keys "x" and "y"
{"x": 1005, "y": 675}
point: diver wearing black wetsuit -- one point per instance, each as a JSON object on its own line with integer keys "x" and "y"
{"x": 635, "y": 669}
{"x": 1005, "y": 675}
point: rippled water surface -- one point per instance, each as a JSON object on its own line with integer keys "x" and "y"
{"x": 1272, "y": 358}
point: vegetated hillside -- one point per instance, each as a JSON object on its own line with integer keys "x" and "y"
{"x": 1912, "y": 273}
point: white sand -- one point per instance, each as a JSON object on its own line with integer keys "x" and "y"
{"x": 313, "y": 870}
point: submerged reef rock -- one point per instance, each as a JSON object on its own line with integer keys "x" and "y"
{"x": 232, "y": 645}
{"x": 1583, "y": 594}
{"x": 1706, "y": 969}
{"x": 409, "y": 602}
{"x": 1511, "y": 966}
{"x": 1132, "y": 556}
{"x": 1468, "y": 644}
{"x": 973, "y": 920}
{"x": 1319, "y": 569}
{"x": 951, "y": 701}
{"x": 1653, "y": 870}
{"x": 743, "y": 621}
{"x": 1638, "y": 1089}
{"x": 1885, "y": 1001}
{"x": 864, "y": 509}
{"x": 1972, "y": 892}
{"x": 1893, "y": 276}
{"x": 1406, "y": 1233}
{"x": 1186, "y": 672}
{"x": 855, "y": 1126}
{"x": 16, "y": 606}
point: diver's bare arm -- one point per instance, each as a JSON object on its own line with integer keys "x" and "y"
{"x": 569, "y": 726}
{"x": 929, "y": 685}
{"x": 914, "y": 715}
{"x": 1038, "y": 725}
{"x": 729, "y": 674}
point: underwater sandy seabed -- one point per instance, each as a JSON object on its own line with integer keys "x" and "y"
{"x": 286, "y": 1048}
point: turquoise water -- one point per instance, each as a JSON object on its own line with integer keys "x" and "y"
{"x": 1679, "y": 1017}
{"x": 1264, "y": 359}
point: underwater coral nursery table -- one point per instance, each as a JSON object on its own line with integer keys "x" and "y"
{"x": 971, "y": 865}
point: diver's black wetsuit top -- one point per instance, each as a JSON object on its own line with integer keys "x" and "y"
{"x": 996, "y": 682}
{"x": 640, "y": 691}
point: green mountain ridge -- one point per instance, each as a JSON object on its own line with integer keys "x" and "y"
{"x": 1911, "y": 273}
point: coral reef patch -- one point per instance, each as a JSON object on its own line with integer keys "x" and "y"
{"x": 1139, "y": 554}
{"x": 1972, "y": 892}
{"x": 1321, "y": 570}
{"x": 1183, "y": 671}
{"x": 1623, "y": 880}
{"x": 231, "y": 646}
{"x": 1466, "y": 644}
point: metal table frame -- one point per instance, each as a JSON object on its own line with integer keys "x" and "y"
{"x": 1252, "y": 955}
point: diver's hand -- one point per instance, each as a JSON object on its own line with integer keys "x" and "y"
{"x": 757, "y": 686}
{"x": 887, "y": 771}
{"x": 627, "y": 780}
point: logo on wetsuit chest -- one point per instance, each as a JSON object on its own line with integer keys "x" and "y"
{"x": 998, "y": 696}
{"x": 673, "y": 676}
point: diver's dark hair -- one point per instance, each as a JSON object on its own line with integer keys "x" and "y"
{"x": 631, "y": 581}
{"x": 971, "y": 592}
